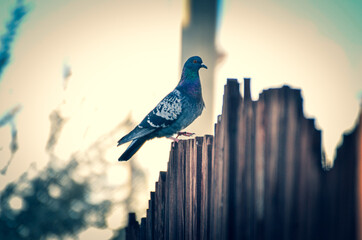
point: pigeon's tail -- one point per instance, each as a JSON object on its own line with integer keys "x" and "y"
{"x": 132, "y": 149}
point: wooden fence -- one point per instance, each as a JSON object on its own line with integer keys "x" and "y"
{"x": 259, "y": 177}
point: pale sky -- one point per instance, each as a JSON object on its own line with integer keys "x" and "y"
{"x": 124, "y": 57}
{"x": 315, "y": 47}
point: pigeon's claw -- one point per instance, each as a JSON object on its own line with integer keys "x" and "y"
{"x": 186, "y": 134}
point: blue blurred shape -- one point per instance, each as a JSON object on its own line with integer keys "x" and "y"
{"x": 8, "y": 117}
{"x": 5, "y": 119}
{"x": 18, "y": 13}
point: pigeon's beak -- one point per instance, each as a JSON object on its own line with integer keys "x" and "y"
{"x": 203, "y": 65}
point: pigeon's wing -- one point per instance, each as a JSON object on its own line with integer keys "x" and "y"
{"x": 162, "y": 116}
{"x": 165, "y": 113}
{"x": 136, "y": 133}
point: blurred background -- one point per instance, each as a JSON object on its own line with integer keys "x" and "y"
{"x": 77, "y": 75}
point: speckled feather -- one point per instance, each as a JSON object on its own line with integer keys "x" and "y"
{"x": 175, "y": 112}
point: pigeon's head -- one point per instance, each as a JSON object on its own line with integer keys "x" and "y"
{"x": 194, "y": 63}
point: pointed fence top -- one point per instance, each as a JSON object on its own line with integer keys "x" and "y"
{"x": 247, "y": 90}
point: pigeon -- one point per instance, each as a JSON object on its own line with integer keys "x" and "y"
{"x": 175, "y": 112}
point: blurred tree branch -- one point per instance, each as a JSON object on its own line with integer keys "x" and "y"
{"x": 7, "y": 39}
{"x": 9, "y": 119}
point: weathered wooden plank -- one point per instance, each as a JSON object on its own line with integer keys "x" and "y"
{"x": 249, "y": 171}
{"x": 194, "y": 190}
{"x": 172, "y": 194}
{"x": 188, "y": 189}
{"x": 282, "y": 103}
{"x": 150, "y": 219}
{"x": 293, "y": 118}
{"x": 210, "y": 146}
{"x": 247, "y": 90}
{"x": 302, "y": 187}
{"x": 160, "y": 207}
{"x": 272, "y": 206}
{"x": 148, "y": 223}
{"x": 206, "y": 155}
{"x": 180, "y": 189}
{"x": 143, "y": 230}
{"x": 167, "y": 197}
{"x": 132, "y": 230}
{"x": 198, "y": 178}
{"x": 217, "y": 183}
{"x": 309, "y": 207}
{"x": 358, "y": 146}
{"x": 244, "y": 192}
{"x": 259, "y": 182}
{"x": 230, "y": 116}
{"x": 314, "y": 178}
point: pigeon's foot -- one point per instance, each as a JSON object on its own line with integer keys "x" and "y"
{"x": 174, "y": 139}
{"x": 187, "y": 134}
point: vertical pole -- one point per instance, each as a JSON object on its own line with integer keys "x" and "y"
{"x": 198, "y": 38}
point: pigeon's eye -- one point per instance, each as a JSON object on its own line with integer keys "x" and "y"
{"x": 195, "y": 61}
